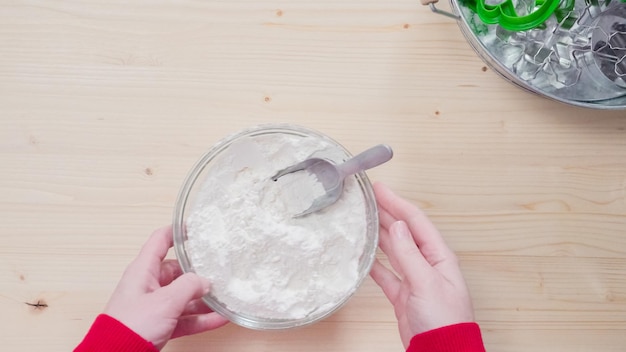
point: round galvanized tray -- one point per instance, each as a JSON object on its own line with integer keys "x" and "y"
{"x": 576, "y": 55}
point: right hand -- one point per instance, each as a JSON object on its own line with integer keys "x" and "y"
{"x": 427, "y": 290}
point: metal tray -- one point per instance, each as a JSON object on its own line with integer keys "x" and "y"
{"x": 576, "y": 56}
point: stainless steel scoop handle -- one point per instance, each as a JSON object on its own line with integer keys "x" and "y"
{"x": 366, "y": 160}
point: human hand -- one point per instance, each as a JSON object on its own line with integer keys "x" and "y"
{"x": 427, "y": 290}
{"x": 156, "y": 300}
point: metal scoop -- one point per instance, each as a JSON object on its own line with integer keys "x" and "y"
{"x": 331, "y": 176}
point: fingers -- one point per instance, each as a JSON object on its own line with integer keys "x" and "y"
{"x": 385, "y": 218}
{"x": 411, "y": 264}
{"x": 385, "y": 245}
{"x": 194, "y": 324}
{"x": 170, "y": 270}
{"x": 386, "y": 240}
{"x": 387, "y": 280}
{"x": 183, "y": 290}
{"x": 197, "y": 306}
{"x": 424, "y": 233}
{"x": 155, "y": 249}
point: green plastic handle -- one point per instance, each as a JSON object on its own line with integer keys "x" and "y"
{"x": 505, "y": 15}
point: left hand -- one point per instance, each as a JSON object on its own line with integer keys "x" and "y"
{"x": 426, "y": 286}
{"x": 157, "y": 301}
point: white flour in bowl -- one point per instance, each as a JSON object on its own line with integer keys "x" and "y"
{"x": 261, "y": 261}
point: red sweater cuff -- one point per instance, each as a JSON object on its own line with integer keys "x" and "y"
{"x": 109, "y": 335}
{"x": 463, "y": 337}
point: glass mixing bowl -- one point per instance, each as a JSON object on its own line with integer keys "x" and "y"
{"x": 190, "y": 193}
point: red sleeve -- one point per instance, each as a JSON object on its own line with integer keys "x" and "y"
{"x": 109, "y": 335}
{"x": 464, "y": 337}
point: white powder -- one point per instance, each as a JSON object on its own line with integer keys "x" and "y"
{"x": 260, "y": 260}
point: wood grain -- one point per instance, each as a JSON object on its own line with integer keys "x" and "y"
{"x": 105, "y": 106}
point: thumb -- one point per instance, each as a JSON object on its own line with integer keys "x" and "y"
{"x": 183, "y": 290}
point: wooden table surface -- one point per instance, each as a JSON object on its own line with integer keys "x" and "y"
{"x": 105, "y": 106}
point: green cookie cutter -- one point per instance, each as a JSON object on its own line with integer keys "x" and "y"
{"x": 504, "y": 14}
